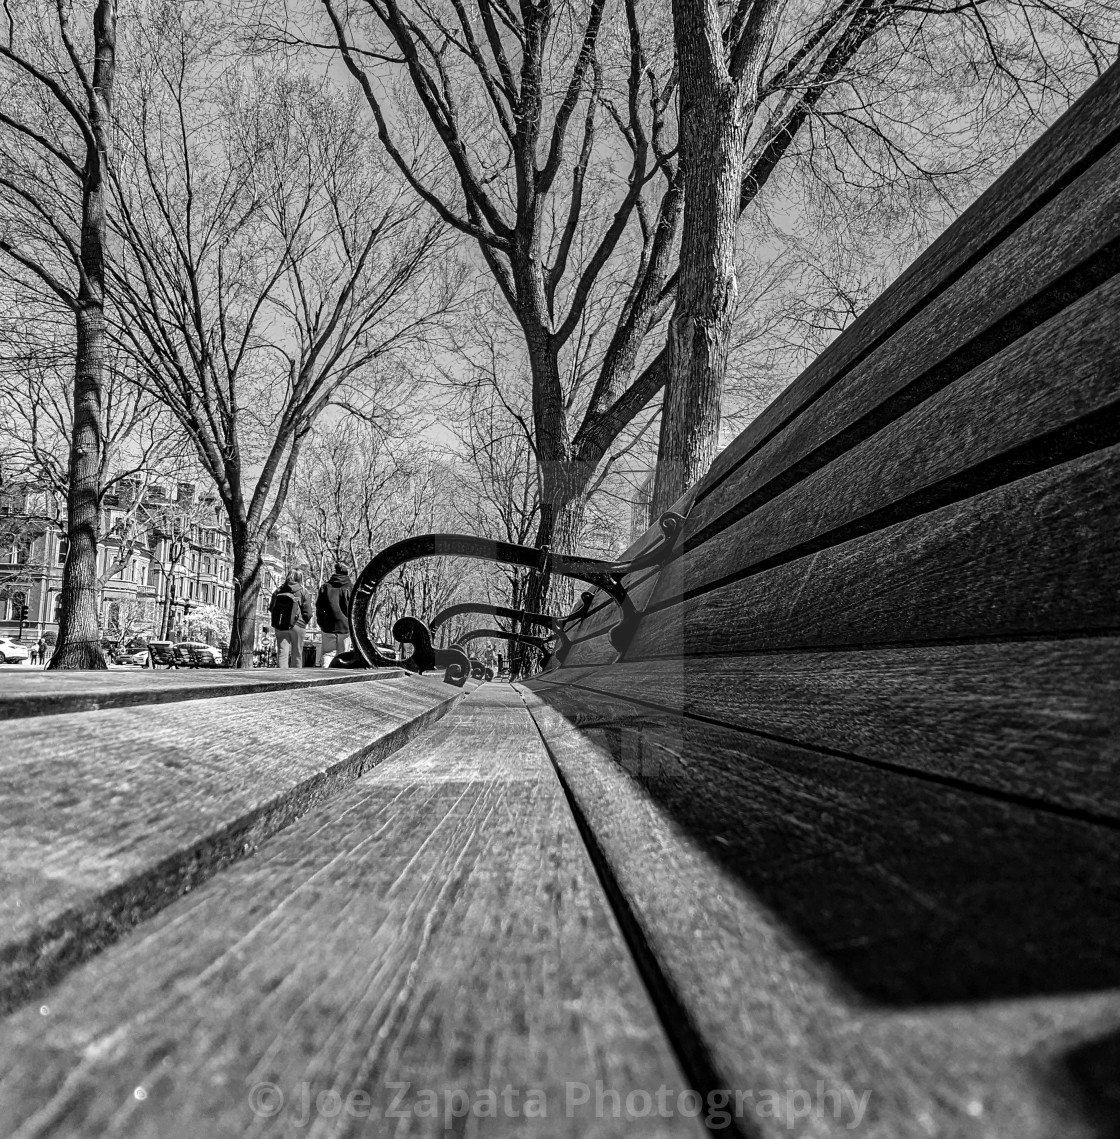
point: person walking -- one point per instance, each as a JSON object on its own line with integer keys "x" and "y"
{"x": 332, "y": 608}
{"x": 290, "y": 610}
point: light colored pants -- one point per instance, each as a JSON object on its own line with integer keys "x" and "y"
{"x": 289, "y": 646}
{"x": 333, "y": 643}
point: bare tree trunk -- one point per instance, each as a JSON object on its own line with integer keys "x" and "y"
{"x": 247, "y": 586}
{"x": 79, "y": 627}
{"x": 79, "y": 635}
{"x": 563, "y": 479}
{"x": 712, "y": 146}
{"x": 559, "y": 529}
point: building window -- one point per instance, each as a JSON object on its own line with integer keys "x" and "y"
{"x": 63, "y": 549}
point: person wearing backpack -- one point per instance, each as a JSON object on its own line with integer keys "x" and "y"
{"x": 332, "y": 607}
{"x": 290, "y": 610}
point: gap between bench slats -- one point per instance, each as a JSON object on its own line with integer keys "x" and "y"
{"x": 437, "y": 926}
{"x": 953, "y": 955}
{"x": 1078, "y": 140}
{"x": 1034, "y": 557}
{"x": 108, "y": 817}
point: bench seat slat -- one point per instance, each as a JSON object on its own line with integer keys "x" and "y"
{"x": 109, "y": 816}
{"x": 1079, "y": 138}
{"x": 37, "y": 693}
{"x": 820, "y": 920}
{"x": 1068, "y": 248}
{"x": 438, "y": 924}
{"x": 1037, "y": 556}
{"x": 1053, "y": 394}
{"x": 1033, "y": 719}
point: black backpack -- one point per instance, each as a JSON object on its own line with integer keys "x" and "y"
{"x": 327, "y": 605}
{"x": 284, "y": 606}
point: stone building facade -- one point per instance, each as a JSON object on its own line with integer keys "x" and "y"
{"x": 164, "y": 551}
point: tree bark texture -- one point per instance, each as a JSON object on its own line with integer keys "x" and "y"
{"x": 247, "y": 582}
{"x": 79, "y": 632}
{"x": 713, "y": 149}
{"x": 563, "y": 478}
{"x": 79, "y": 628}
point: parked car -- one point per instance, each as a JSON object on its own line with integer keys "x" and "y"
{"x": 387, "y": 650}
{"x": 197, "y": 653}
{"x": 12, "y": 652}
{"x": 116, "y": 652}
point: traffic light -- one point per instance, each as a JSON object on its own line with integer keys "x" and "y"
{"x": 23, "y": 613}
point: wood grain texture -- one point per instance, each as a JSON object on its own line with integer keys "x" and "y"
{"x": 109, "y": 816}
{"x": 438, "y": 924}
{"x": 1079, "y": 138}
{"x": 40, "y": 693}
{"x": 591, "y": 650}
{"x": 1039, "y": 720}
{"x": 814, "y": 920}
{"x": 1069, "y": 247}
{"x": 1054, "y": 394}
{"x": 1036, "y": 556}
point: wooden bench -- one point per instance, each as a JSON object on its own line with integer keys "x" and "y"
{"x": 163, "y": 653}
{"x": 830, "y": 847}
{"x": 854, "y": 779}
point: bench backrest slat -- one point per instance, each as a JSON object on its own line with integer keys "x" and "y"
{"x": 948, "y": 469}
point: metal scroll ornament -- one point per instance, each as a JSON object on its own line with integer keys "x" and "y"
{"x": 556, "y": 626}
{"x": 595, "y": 571}
{"x": 539, "y": 643}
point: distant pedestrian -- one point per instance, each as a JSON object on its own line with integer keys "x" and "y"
{"x": 34, "y": 657}
{"x": 332, "y": 608}
{"x": 290, "y": 610}
{"x": 44, "y": 651}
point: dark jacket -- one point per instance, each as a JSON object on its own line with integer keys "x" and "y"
{"x": 333, "y": 604}
{"x": 303, "y": 610}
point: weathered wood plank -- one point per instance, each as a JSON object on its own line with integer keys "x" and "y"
{"x": 1082, "y": 135}
{"x": 830, "y": 926}
{"x": 1036, "y": 556}
{"x": 107, "y": 817}
{"x": 438, "y": 925}
{"x": 1066, "y": 249}
{"x": 39, "y": 693}
{"x": 595, "y": 649}
{"x": 1033, "y": 719}
{"x": 1054, "y": 394}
